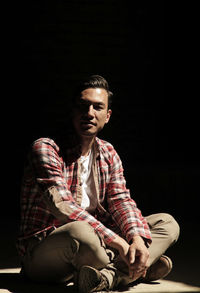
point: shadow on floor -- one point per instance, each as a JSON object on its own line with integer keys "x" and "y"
{"x": 13, "y": 282}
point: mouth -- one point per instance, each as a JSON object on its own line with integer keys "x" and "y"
{"x": 88, "y": 123}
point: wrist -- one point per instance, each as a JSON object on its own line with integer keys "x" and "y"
{"x": 137, "y": 238}
{"x": 118, "y": 243}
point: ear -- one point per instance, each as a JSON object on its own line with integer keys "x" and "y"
{"x": 108, "y": 116}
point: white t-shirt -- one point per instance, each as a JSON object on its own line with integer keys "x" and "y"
{"x": 89, "y": 196}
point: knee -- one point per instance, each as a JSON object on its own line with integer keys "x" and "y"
{"x": 84, "y": 233}
{"x": 91, "y": 251}
{"x": 77, "y": 226}
{"x": 170, "y": 226}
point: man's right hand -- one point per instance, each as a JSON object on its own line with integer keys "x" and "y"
{"x": 123, "y": 248}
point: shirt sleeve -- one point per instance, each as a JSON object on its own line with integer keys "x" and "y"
{"x": 122, "y": 207}
{"x": 48, "y": 169}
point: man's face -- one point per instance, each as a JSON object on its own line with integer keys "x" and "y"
{"x": 91, "y": 113}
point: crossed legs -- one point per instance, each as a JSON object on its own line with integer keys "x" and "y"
{"x": 66, "y": 249}
{"x": 73, "y": 245}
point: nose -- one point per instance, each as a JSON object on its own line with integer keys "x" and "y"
{"x": 90, "y": 111}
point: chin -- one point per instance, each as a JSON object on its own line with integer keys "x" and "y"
{"x": 88, "y": 134}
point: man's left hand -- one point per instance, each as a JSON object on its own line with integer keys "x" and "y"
{"x": 138, "y": 258}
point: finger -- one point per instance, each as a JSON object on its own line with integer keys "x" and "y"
{"x": 141, "y": 262}
{"x": 144, "y": 273}
{"x": 144, "y": 258}
{"x": 135, "y": 275}
{"x": 132, "y": 273}
{"x": 138, "y": 268}
{"x": 132, "y": 255}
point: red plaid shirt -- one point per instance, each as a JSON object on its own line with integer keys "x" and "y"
{"x": 51, "y": 194}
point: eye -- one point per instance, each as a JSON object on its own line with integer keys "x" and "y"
{"x": 82, "y": 105}
{"x": 98, "y": 107}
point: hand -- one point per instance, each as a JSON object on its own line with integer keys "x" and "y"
{"x": 123, "y": 248}
{"x": 138, "y": 258}
{"x": 135, "y": 255}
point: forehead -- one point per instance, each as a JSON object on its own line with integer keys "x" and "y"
{"x": 95, "y": 95}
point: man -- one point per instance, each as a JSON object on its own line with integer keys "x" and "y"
{"x": 77, "y": 217}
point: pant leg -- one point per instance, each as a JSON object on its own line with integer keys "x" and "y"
{"x": 165, "y": 232}
{"x": 65, "y": 250}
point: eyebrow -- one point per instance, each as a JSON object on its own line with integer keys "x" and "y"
{"x": 99, "y": 104}
{"x": 95, "y": 103}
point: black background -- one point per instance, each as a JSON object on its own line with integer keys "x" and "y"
{"x": 147, "y": 52}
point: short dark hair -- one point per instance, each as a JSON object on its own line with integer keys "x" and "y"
{"x": 94, "y": 81}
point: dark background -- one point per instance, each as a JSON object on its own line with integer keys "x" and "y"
{"x": 147, "y": 52}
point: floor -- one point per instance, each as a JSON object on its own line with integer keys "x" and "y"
{"x": 10, "y": 282}
{"x": 185, "y": 276}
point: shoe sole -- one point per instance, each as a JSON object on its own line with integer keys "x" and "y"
{"x": 170, "y": 265}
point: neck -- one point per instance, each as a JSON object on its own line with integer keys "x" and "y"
{"x": 86, "y": 145}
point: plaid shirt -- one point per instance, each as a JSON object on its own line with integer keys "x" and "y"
{"x": 51, "y": 194}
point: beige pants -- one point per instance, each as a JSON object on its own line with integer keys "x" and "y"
{"x": 73, "y": 245}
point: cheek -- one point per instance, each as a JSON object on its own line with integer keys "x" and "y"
{"x": 102, "y": 119}
{"x": 75, "y": 118}
{"x": 76, "y": 115}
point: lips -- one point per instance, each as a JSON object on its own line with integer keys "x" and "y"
{"x": 88, "y": 123}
